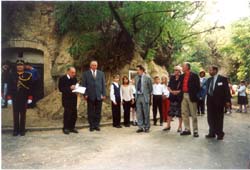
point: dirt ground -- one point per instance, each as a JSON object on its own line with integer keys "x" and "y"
{"x": 123, "y": 149}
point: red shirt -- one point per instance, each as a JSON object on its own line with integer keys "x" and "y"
{"x": 185, "y": 82}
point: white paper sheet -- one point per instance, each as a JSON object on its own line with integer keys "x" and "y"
{"x": 79, "y": 89}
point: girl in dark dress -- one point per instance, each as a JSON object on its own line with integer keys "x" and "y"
{"x": 174, "y": 88}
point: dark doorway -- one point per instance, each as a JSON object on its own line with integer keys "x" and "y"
{"x": 33, "y": 56}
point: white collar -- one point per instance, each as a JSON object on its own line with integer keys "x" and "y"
{"x": 116, "y": 83}
{"x": 68, "y": 76}
{"x": 216, "y": 76}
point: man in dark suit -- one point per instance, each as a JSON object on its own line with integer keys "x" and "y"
{"x": 69, "y": 100}
{"x": 94, "y": 81}
{"x": 218, "y": 95}
{"x": 190, "y": 84}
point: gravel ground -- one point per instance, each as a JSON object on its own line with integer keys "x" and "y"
{"x": 123, "y": 149}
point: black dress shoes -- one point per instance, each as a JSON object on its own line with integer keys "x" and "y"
{"x": 146, "y": 131}
{"x": 74, "y": 131}
{"x": 15, "y": 133}
{"x": 220, "y": 137}
{"x": 119, "y": 126}
{"x": 139, "y": 130}
{"x": 196, "y": 135}
{"x": 97, "y": 129}
{"x": 91, "y": 129}
{"x": 185, "y": 133}
{"x": 166, "y": 129}
{"x": 22, "y": 133}
{"x": 66, "y": 131}
{"x": 209, "y": 136}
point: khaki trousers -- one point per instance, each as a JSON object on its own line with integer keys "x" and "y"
{"x": 188, "y": 107}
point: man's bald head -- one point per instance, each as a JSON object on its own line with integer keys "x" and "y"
{"x": 71, "y": 71}
{"x": 93, "y": 65}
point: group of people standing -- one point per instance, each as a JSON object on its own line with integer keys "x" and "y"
{"x": 182, "y": 97}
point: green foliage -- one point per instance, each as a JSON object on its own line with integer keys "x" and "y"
{"x": 151, "y": 54}
{"x": 160, "y": 29}
{"x": 83, "y": 44}
{"x": 238, "y": 51}
{"x": 80, "y": 16}
{"x": 196, "y": 67}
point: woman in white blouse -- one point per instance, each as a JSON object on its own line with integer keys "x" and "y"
{"x": 127, "y": 99}
{"x": 242, "y": 97}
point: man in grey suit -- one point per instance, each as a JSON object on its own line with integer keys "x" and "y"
{"x": 94, "y": 81}
{"x": 144, "y": 88}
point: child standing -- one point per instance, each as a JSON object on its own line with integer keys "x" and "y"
{"x": 115, "y": 96}
{"x": 158, "y": 91}
{"x": 242, "y": 97}
{"x": 127, "y": 99}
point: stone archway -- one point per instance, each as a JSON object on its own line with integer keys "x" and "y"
{"x": 14, "y": 44}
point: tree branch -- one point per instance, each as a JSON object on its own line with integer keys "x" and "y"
{"x": 200, "y": 32}
{"x": 152, "y": 12}
{"x": 118, "y": 19}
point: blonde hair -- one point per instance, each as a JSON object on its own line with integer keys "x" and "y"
{"x": 179, "y": 68}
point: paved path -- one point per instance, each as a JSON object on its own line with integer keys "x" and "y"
{"x": 123, "y": 149}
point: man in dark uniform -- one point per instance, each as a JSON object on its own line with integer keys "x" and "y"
{"x": 67, "y": 83}
{"x": 19, "y": 90}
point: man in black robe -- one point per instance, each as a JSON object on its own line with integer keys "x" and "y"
{"x": 67, "y": 83}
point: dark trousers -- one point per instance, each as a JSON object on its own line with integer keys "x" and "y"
{"x": 19, "y": 112}
{"x": 116, "y": 114}
{"x": 126, "y": 108}
{"x": 94, "y": 113}
{"x": 69, "y": 117}
{"x": 215, "y": 117}
{"x": 157, "y": 104}
{"x": 19, "y": 121}
{"x": 201, "y": 106}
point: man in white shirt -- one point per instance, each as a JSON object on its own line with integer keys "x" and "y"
{"x": 158, "y": 92}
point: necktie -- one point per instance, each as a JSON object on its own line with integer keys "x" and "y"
{"x": 139, "y": 85}
{"x": 211, "y": 87}
{"x": 94, "y": 74}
